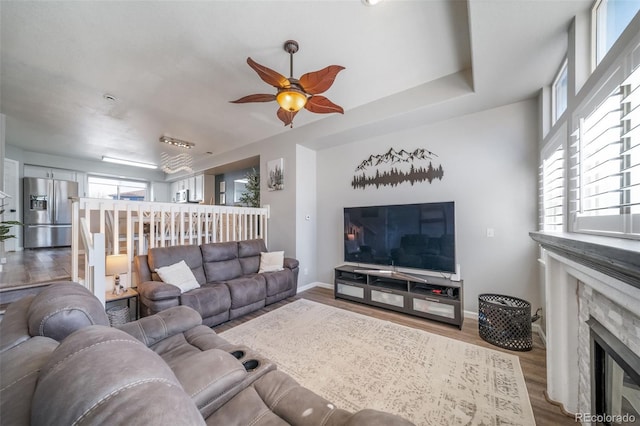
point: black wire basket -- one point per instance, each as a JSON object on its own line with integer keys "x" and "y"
{"x": 118, "y": 315}
{"x": 505, "y": 321}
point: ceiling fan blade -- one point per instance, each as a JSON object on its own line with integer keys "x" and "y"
{"x": 268, "y": 75}
{"x": 255, "y": 98}
{"x": 319, "y": 81}
{"x": 286, "y": 116}
{"x": 322, "y": 105}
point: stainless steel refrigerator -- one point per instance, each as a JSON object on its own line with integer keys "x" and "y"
{"x": 47, "y": 212}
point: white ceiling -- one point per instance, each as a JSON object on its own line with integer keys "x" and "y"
{"x": 175, "y": 65}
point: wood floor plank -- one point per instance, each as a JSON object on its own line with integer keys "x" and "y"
{"x": 533, "y": 363}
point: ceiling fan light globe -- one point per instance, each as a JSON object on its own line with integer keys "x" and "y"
{"x": 291, "y": 100}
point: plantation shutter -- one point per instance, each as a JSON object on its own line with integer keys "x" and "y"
{"x": 553, "y": 172}
{"x": 607, "y": 154}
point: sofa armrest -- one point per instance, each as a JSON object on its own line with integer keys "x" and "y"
{"x": 151, "y": 330}
{"x": 158, "y": 290}
{"x": 210, "y": 377}
{"x": 291, "y": 263}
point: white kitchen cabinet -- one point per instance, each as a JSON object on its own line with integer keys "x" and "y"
{"x": 198, "y": 188}
{"x": 49, "y": 173}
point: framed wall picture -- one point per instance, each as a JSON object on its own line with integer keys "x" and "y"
{"x": 223, "y": 199}
{"x": 275, "y": 175}
{"x": 223, "y": 186}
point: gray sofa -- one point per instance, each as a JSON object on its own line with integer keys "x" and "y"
{"x": 227, "y": 273}
{"x": 60, "y": 364}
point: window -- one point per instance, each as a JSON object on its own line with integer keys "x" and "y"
{"x": 610, "y": 18}
{"x": 553, "y": 191}
{"x": 608, "y": 163}
{"x": 117, "y": 189}
{"x": 559, "y": 92}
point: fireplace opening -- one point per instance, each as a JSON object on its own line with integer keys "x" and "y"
{"x": 615, "y": 379}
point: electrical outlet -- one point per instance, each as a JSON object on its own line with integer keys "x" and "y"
{"x": 491, "y": 232}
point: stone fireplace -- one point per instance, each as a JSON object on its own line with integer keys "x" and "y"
{"x": 587, "y": 282}
{"x": 615, "y": 378}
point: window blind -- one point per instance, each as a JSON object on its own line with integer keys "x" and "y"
{"x": 606, "y": 158}
{"x": 553, "y": 177}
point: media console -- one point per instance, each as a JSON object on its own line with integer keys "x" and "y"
{"x": 420, "y": 295}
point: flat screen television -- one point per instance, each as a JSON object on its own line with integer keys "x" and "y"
{"x": 420, "y": 236}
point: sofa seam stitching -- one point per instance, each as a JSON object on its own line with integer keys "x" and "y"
{"x": 278, "y": 399}
{"x": 55, "y": 366}
{"x": 146, "y": 340}
{"x": 46, "y": 317}
{"x": 214, "y": 380}
{"x": 325, "y": 419}
{"x": 117, "y": 391}
{"x": 260, "y": 416}
{"x": 164, "y": 327}
{"x": 36, "y": 371}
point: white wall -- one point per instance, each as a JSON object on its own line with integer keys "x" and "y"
{"x": 306, "y": 214}
{"x": 282, "y": 228}
{"x": 490, "y": 171}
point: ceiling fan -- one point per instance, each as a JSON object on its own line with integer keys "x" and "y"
{"x": 294, "y": 94}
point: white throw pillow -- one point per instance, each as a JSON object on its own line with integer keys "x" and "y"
{"x": 180, "y": 275}
{"x": 271, "y": 261}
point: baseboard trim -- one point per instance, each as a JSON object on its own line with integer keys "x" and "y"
{"x": 470, "y": 314}
{"x": 538, "y": 329}
{"x": 312, "y": 285}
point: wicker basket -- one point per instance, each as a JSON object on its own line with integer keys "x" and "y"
{"x": 118, "y": 315}
{"x": 505, "y": 321}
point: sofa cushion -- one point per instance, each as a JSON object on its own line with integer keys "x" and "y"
{"x": 19, "y": 369}
{"x": 100, "y": 375}
{"x": 247, "y": 290}
{"x": 62, "y": 308}
{"x": 179, "y": 275}
{"x": 277, "y": 282}
{"x": 221, "y": 261}
{"x": 249, "y": 255}
{"x": 208, "y": 300}
{"x": 165, "y": 256}
{"x": 14, "y": 328}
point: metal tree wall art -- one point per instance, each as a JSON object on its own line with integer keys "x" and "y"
{"x": 397, "y": 167}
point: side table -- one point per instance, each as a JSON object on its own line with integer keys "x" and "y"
{"x": 128, "y": 296}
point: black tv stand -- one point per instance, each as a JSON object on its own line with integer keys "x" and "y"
{"x": 425, "y": 296}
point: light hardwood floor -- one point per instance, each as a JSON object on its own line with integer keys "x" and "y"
{"x": 28, "y": 267}
{"x": 533, "y": 362}
{"x": 31, "y": 266}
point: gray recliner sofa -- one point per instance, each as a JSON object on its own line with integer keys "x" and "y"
{"x": 60, "y": 364}
{"x": 230, "y": 284}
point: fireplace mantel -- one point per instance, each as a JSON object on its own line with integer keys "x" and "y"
{"x": 616, "y": 257}
{"x": 586, "y": 276}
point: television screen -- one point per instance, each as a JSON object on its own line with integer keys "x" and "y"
{"x": 418, "y": 236}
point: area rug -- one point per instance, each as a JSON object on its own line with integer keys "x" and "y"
{"x": 360, "y": 362}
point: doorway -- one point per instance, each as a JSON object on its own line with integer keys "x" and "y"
{"x": 12, "y": 203}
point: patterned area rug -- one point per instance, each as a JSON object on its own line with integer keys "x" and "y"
{"x": 359, "y": 362}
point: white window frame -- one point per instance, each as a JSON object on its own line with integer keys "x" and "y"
{"x": 599, "y": 33}
{"x": 564, "y": 70}
{"x": 120, "y": 179}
